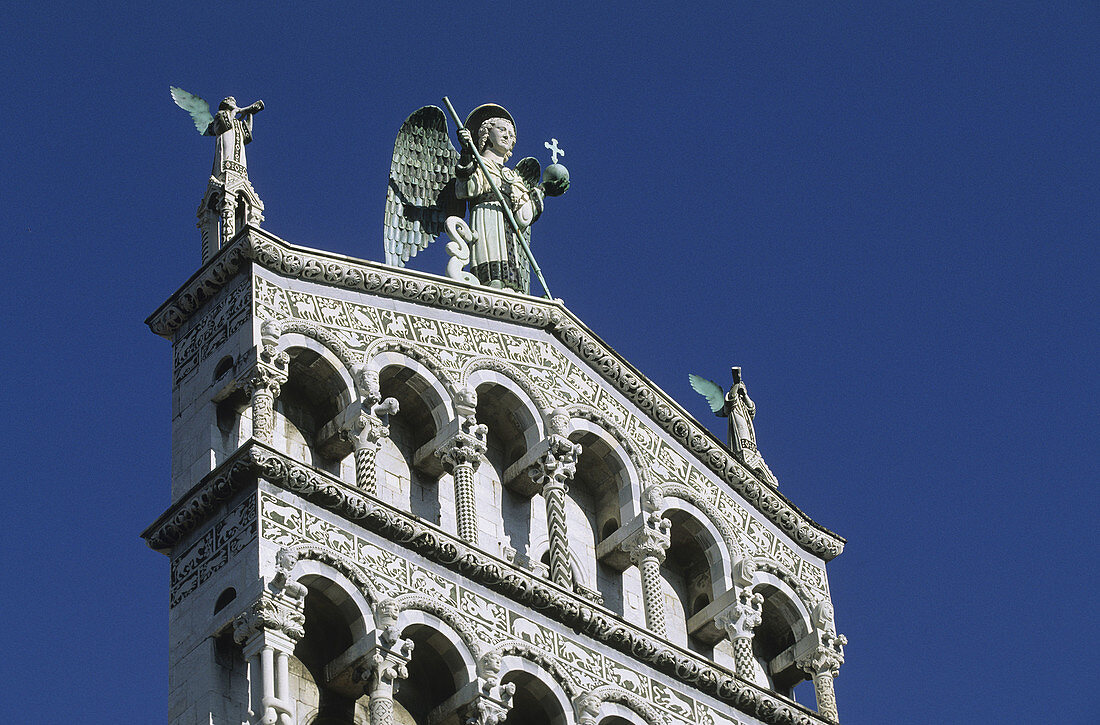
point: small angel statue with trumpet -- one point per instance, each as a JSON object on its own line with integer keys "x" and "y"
{"x": 231, "y": 124}
{"x": 230, "y": 201}
{"x": 737, "y": 406}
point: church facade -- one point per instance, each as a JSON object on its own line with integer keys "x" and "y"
{"x": 403, "y": 498}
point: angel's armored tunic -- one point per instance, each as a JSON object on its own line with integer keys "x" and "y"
{"x": 233, "y": 134}
{"x": 497, "y": 257}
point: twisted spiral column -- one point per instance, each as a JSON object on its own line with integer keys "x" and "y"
{"x": 647, "y": 550}
{"x": 553, "y": 471}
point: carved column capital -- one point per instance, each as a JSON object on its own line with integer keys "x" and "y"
{"x": 823, "y": 664}
{"x": 558, "y": 465}
{"x": 465, "y": 448}
{"x": 489, "y": 709}
{"x": 651, "y": 541}
{"x": 743, "y": 616}
{"x": 460, "y": 455}
{"x": 267, "y": 378}
{"x": 365, "y": 430}
{"x": 383, "y": 666}
{"x": 282, "y": 613}
{"x": 827, "y": 657}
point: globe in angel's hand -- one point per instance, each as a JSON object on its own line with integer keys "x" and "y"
{"x": 555, "y": 180}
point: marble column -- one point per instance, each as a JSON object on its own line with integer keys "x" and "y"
{"x": 739, "y": 621}
{"x": 387, "y": 662}
{"x": 268, "y": 631}
{"x": 366, "y": 433}
{"x": 647, "y": 550}
{"x": 552, "y": 472}
{"x": 460, "y": 457}
{"x": 822, "y": 665}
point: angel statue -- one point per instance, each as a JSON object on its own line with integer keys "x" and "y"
{"x": 431, "y": 184}
{"x": 737, "y": 406}
{"x": 230, "y": 198}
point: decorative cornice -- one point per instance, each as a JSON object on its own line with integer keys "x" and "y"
{"x": 198, "y": 504}
{"x": 257, "y": 460}
{"x": 335, "y": 270}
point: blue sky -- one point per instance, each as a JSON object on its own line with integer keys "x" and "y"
{"x": 886, "y": 214}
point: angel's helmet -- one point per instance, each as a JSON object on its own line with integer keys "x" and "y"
{"x": 228, "y": 104}
{"x": 476, "y": 122}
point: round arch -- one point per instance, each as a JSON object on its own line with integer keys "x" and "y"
{"x": 614, "y": 452}
{"x": 483, "y": 371}
{"x": 710, "y": 539}
{"x": 342, "y": 582}
{"x": 434, "y": 388}
{"x": 462, "y": 646}
{"x": 536, "y": 689}
{"x": 610, "y": 704}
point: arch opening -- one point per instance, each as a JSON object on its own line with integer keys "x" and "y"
{"x": 328, "y": 633}
{"x": 773, "y": 643}
{"x": 597, "y": 489}
{"x": 431, "y": 678}
{"x": 416, "y": 423}
{"x": 309, "y": 407}
{"x": 534, "y": 702}
{"x": 687, "y": 570}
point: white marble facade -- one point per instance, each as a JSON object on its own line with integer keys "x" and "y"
{"x": 536, "y": 534}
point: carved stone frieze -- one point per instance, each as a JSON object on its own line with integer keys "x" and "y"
{"x": 214, "y": 329}
{"x": 201, "y": 560}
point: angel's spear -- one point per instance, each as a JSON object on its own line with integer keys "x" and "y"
{"x": 503, "y": 204}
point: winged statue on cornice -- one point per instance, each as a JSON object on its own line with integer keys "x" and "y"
{"x": 431, "y": 184}
{"x": 737, "y": 406}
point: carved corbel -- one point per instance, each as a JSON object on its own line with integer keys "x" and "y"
{"x": 282, "y": 584}
{"x": 367, "y": 384}
{"x": 587, "y": 707}
{"x": 653, "y": 499}
{"x": 494, "y": 700}
{"x": 484, "y": 701}
{"x": 744, "y": 572}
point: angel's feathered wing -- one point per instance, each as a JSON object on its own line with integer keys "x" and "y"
{"x": 197, "y": 107}
{"x": 421, "y": 189}
{"x": 530, "y": 170}
{"x": 710, "y": 390}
